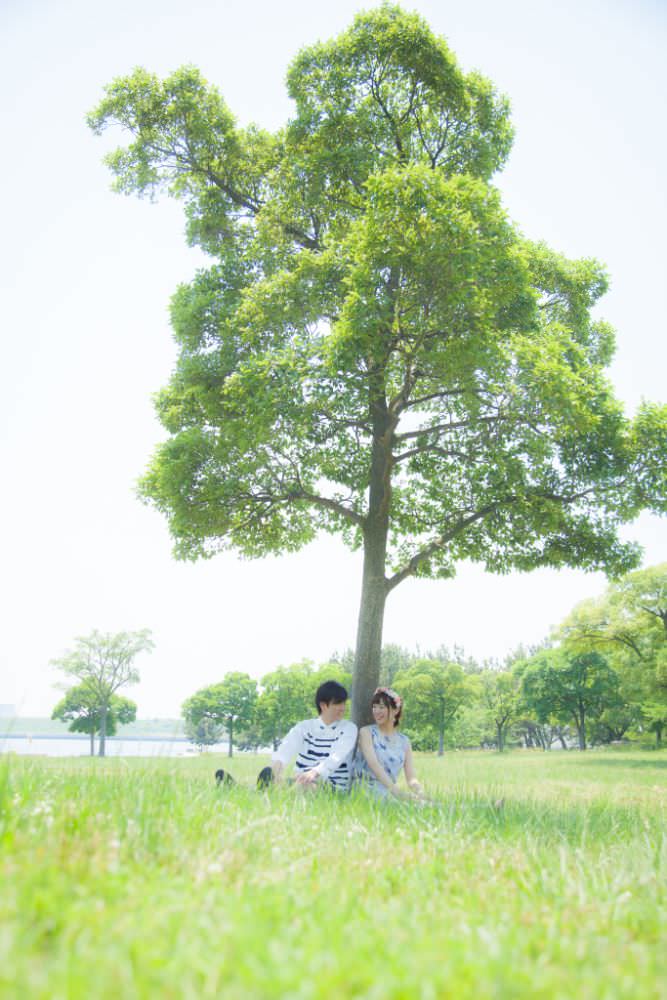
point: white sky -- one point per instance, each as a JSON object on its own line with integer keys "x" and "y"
{"x": 86, "y": 277}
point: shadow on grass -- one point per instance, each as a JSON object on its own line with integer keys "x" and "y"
{"x": 660, "y": 765}
{"x": 474, "y": 814}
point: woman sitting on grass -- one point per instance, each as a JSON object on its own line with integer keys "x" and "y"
{"x": 383, "y": 752}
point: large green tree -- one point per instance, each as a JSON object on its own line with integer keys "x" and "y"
{"x": 81, "y": 709}
{"x": 104, "y": 662}
{"x": 577, "y": 687}
{"x": 287, "y": 695}
{"x": 498, "y": 692}
{"x": 630, "y": 617}
{"x": 628, "y": 623}
{"x": 375, "y": 350}
{"x": 230, "y": 704}
{"x": 434, "y": 690}
{"x": 203, "y": 732}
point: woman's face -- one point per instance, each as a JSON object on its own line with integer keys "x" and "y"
{"x": 382, "y": 714}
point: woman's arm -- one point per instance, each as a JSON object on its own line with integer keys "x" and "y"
{"x": 366, "y": 746}
{"x": 409, "y": 768}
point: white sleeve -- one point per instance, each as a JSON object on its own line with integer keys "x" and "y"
{"x": 290, "y": 745}
{"x": 341, "y": 750}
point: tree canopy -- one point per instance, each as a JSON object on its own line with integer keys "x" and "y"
{"x": 630, "y": 616}
{"x": 576, "y": 687}
{"x": 203, "y": 732}
{"x": 104, "y": 662}
{"x": 376, "y": 350}
{"x": 434, "y": 690}
{"x": 81, "y": 708}
{"x": 628, "y": 623}
{"x": 286, "y": 698}
{"x": 229, "y": 704}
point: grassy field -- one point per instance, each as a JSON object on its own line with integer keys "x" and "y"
{"x": 535, "y": 875}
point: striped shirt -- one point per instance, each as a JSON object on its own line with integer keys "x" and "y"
{"x": 326, "y": 749}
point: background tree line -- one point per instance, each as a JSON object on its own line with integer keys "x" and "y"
{"x": 600, "y": 677}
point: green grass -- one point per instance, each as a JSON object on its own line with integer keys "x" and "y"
{"x": 534, "y": 875}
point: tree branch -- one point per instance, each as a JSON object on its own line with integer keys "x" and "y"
{"x": 330, "y": 504}
{"x": 444, "y": 428}
{"x": 434, "y": 449}
{"x": 438, "y": 543}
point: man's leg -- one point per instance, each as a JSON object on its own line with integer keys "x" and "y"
{"x": 265, "y": 778}
{"x": 223, "y": 778}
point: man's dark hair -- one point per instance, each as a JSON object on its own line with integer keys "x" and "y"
{"x": 328, "y": 692}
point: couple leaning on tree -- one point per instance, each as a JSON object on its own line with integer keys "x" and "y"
{"x": 327, "y": 753}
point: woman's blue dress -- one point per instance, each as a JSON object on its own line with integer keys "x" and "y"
{"x": 390, "y": 752}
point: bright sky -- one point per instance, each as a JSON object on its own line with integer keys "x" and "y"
{"x": 86, "y": 278}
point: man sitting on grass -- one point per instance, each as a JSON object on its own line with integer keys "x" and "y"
{"x": 322, "y": 748}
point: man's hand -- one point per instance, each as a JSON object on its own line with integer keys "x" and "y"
{"x": 308, "y": 778}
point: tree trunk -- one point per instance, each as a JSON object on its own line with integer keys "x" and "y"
{"x": 230, "y": 730}
{"x": 581, "y": 732}
{"x": 92, "y": 742}
{"x": 658, "y": 734}
{"x": 369, "y": 631}
{"x": 103, "y": 731}
{"x": 499, "y": 738}
{"x": 374, "y": 584}
{"x": 441, "y": 726}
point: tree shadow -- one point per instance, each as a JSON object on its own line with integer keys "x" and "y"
{"x": 637, "y": 764}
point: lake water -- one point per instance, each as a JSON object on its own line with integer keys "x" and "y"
{"x": 76, "y": 746}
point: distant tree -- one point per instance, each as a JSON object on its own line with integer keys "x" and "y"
{"x": 537, "y": 728}
{"x": 630, "y": 618}
{"x": 230, "y": 704}
{"x": 498, "y": 691}
{"x": 616, "y": 722}
{"x": 434, "y": 693}
{"x": 81, "y": 709}
{"x": 286, "y": 697}
{"x": 203, "y": 733}
{"x": 574, "y": 686}
{"x": 329, "y": 672}
{"x": 455, "y": 654}
{"x": 104, "y": 662}
{"x": 394, "y": 660}
{"x": 470, "y": 726}
{"x": 375, "y": 350}
{"x": 533, "y": 733}
{"x": 628, "y": 624}
{"x": 655, "y": 719}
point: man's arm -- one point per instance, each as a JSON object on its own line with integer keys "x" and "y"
{"x": 342, "y": 749}
{"x": 289, "y": 747}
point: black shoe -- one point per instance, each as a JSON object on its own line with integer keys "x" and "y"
{"x": 265, "y": 778}
{"x": 223, "y": 778}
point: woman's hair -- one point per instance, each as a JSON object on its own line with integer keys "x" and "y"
{"x": 389, "y": 700}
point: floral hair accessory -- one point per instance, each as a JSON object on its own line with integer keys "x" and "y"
{"x": 396, "y": 698}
